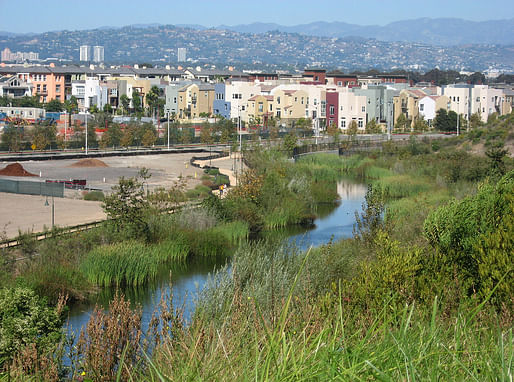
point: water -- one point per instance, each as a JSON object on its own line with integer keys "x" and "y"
{"x": 333, "y": 223}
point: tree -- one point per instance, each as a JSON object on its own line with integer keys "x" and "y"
{"x": 152, "y": 99}
{"x": 127, "y": 205}
{"x": 206, "y": 135}
{"x": 289, "y": 143}
{"x": 25, "y": 319}
{"x": 125, "y": 102}
{"x": 333, "y": 131}
{"x": 54, "y": 106}
{"x": 475, "y": 121}
{"x": 497, "y": 156}
{"x": 441, "y": 120}
{"x": 420, "y": 125}
{"x": 128, "y": 137}
{"x": 137, "y": 103}
{"x": 107, "y": 108}
{"x": 372, "y": 127}
{"x": 402, "y": 123}
{"x": 148, "y": 138}
{"x": 12, "y": 137}
{"x": 352, "y": 129}
{"x": 112, "y": 136}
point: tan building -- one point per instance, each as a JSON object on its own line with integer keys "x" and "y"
{"x": 407, "y": 103}
{"x": 259, "y": 108}
{"x": 195, "y": 101}
{"x": 291, "y": 105}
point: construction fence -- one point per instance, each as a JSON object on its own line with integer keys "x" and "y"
{"x": 32, "y": 188}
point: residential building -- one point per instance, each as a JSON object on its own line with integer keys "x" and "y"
{"x": 429, "y": 105}
{"x": 181, "y": 54}
{"x": 338, "y": 78}
{"x": 195, "y": 101}
{"x": 98, "y": 54}
{"x": 351, "y": 107}
{"x": 85, "y": 53}
{"x": 407, "y": 103}
{"x": 260, "y": 109}
{"x": 14, "y": 87}
{"x": 220, "y": 105}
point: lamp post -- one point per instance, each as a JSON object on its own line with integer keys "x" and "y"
{"x": 168, "y": 113}
{"x": 53, "y": 209}
{"x": 65, "y": 125}
{"x": 86, "y": 128}
{"x": 458, "y": 115}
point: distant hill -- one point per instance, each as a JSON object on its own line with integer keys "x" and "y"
{"x": 439, "y": 31}
{"x": 275, "y": 49}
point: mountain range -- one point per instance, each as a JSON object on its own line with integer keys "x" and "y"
{"x": 440, "y": 31}
{"x": 434, "y": 31}
{"x": 275, "y": 49}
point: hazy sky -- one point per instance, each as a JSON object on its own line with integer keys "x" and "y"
{"x": 46, "y": 15}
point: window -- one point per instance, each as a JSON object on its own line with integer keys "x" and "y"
{"x": 243, "y": 108}
{"x": 278, "y": 100}
{"x": 174, "y": 99}
{"x": 302, "y": 100}
{"x": 315, "y": 101}
{"x": 44, "y": 88}
{"x": 332, "y": 109}
{"x": 296, "y": 99}
{"x": 261, "y": 107}
{"x": 360, "y": 123}
{"x": 205, "y": 94}
{"x": 364, "y": 109}
{"x": 343, "y": 123}
{"x": 57, "y": 88}
{"x": 38, "y": 88}
{"x": 279, "y": 113}
{"x": 339, "y": 83}
{"x": 478, "y": 99}
{"x": 270, "y": 107}
{"x": 421, "y": 107}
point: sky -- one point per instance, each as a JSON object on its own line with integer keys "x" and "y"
{"x": 52, "y": 15}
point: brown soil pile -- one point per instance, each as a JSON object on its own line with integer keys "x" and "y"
{"x": 90, "y": 162}
{"x": 15, "y": 169}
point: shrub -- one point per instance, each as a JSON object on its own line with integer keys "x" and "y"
{"x": 97, "y": 196}
{"x": 26, "y": 319}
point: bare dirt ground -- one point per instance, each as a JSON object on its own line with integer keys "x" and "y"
{"x": 26, "y": 212}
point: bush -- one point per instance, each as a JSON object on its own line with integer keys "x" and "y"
{"x": 25, "y": 319}
{"x": 97, "y": 196}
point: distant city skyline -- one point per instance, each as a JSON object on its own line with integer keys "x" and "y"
{"x": 53, "y": 15}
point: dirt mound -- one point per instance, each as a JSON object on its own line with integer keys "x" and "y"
{"x": 15, "y": 169}
{"x": 90, "y": 162}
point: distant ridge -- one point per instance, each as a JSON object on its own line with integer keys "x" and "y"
{"x": 438, "y": 31}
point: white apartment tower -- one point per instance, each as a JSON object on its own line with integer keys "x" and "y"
{"x": 181, "y": 54}
{"x": 85, "y": 53}
{"x": 98, "y": 53}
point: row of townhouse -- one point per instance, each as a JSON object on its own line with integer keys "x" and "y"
{"x": 326, "y": 98}
{"x": 464, "y": 99}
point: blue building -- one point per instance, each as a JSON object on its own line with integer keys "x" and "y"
{"x": 220, "y": 106}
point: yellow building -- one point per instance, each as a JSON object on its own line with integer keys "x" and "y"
{"x": 291, "y": 105}
{"x": 195, "y": 101}
{"x": 259, "y": 108}
{"x": 407, "y": 103}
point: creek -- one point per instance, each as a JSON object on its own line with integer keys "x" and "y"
{"x": 334, "y": 222}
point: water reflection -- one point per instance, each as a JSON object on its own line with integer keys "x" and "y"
{"x": 334, "y": 221}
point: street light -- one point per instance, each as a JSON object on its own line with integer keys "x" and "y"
{"x": 53, "y": 209}
{"x": 168, "y": 113}
{"x": 458, "y": 115}
{"x": 86, "y": 128}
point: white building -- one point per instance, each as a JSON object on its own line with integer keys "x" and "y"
{"x": 90, "y": 92}
{"x": 98, "y": 53}
{"x": 85, "y": 53}
{"x": 181, "y": 54}
{"x": 238, "y": 93}
{"x": 352, "y": 107}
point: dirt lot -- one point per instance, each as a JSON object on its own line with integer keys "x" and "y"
{"x": 28, "y": 212}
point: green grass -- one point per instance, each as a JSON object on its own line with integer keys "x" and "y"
{"x": 97, "y": 196}
{"x": 234, "y": 232}
{"x": 131, "y": 263}
{"x": 401, "y": 186}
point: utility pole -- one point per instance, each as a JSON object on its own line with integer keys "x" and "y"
{"x": 458, "y": 115}
{"x": 86, "y": 129}
{"x": 168, "y": 112}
